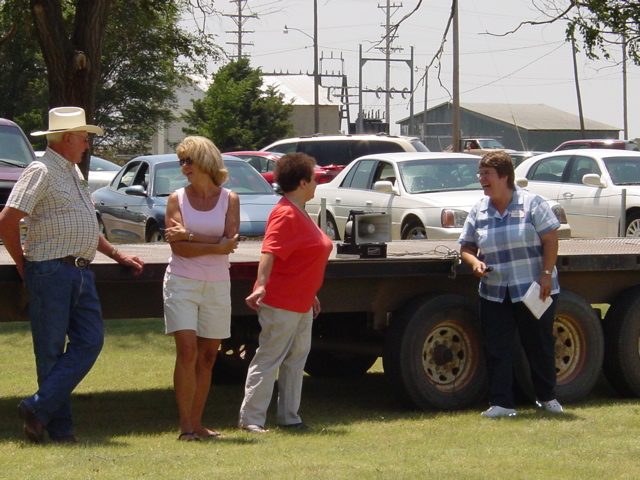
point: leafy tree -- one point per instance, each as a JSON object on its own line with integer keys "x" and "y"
{"x": 238, "y": 112}
{"x": 118, "y": 59}
{"x": 602, "y": 24}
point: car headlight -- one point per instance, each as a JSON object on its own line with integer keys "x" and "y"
{"x": 451, "y": 218}
{"x": 559, "y": 212}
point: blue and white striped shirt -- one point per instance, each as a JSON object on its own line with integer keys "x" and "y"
{"x": 510, "y": 243}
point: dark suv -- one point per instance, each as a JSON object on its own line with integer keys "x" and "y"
{"x": 15, "y": 154}
{"x": 334, "y": 152}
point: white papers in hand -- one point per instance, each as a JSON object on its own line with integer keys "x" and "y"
{"x": 532, "y": 300}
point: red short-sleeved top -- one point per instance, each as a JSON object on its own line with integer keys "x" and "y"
{"x": 301, "y": 252}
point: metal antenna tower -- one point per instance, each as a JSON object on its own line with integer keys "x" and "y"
{"x": 240, "y": 19}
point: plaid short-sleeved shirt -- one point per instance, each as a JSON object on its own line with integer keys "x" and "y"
{"x": 510, "y": 243}
{"x": 61, "y": 218}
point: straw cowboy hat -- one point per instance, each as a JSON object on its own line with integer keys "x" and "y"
{"x": 68, "y": 119}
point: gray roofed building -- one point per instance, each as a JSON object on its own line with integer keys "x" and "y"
{"x": 516, "y": 126}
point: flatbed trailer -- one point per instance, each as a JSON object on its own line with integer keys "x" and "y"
{"x": 417, "y": 309}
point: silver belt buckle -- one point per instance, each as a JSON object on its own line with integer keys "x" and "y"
{"x": 80, "y": 262}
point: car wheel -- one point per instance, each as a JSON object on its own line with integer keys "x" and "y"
{"x": 633, "y": 225}
{"x": 102, "y": 229}
{"x": 332, "y": 229}
{"x": 414, "y": 230}
{"x": 154, "y": 235}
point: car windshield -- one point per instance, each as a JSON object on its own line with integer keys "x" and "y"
{"x": 14, "y": 149}
{"x": 624, "y": 170}
{"x": 243, "y": 179}
{"x": 420, "y": 176}
{"x": 490, "y": 144}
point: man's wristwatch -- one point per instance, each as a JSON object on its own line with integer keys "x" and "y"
{"x": 547, "y": 272}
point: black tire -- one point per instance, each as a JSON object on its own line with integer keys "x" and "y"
{"x": 413, "y": 230}
{"x": 330, "y": 364}
{"x": 154, "y": 235}
{"x": 621, "y": 327}
{"x": 232, "y": 362}
{"x": 332, "y": 228}
{"x": 633, "y": 225}
{"x": 102, "y": 229}
{"x": 579, "y": 350}
{"x": 433, "y": 354}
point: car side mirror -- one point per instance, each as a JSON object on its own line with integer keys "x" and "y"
{"x": 384, "y": 186}
{"x": 522, "y": 182}
{"x": 593, "y": 179}
{"x": 277, "y": 189}
{"x": 136, "y": 191}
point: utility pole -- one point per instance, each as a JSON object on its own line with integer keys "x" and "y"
{"x": 240, "y": 19}
{"x": 625, "y": 112}
{"x": 577, "y": 82}
{"x": 455, "y": 121}
{"x": 388, "y": 49}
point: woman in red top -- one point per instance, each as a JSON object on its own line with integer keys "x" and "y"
{"x": 291, "y": 270}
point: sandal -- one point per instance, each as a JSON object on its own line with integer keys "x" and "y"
{"x": 194, "y": 437}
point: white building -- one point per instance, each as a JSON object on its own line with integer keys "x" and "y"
{"x": 298, "y": 89}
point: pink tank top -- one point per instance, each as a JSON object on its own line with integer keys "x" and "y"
{"x": 212, "y": 267}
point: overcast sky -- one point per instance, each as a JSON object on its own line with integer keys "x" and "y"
{"x": 533, "y": 65}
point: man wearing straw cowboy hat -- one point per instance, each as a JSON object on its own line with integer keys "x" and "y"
{"x": 62, "y": 238}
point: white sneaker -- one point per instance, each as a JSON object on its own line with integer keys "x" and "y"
{"x": 552, "y": 406}
{"x": 496, "y": 411}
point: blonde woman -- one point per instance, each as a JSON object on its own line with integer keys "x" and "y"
{"x": 202, "y": 228}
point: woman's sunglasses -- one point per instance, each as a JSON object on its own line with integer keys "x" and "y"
{"x": 185, "y": 161}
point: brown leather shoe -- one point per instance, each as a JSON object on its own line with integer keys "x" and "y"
{"x": 33, "y": 428}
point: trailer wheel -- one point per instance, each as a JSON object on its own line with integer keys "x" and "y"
{"x": 433, "y": 353}
{"x": 337, "y": 365}
{"x": 621, "y": 326}
{"x": 579, "y": 350}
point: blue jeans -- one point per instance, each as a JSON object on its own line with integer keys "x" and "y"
{"x": 63, "y": 304}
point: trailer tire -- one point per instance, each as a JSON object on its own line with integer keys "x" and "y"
{"x": 433, "y": 354}
{"x": 579, "y": 350}
{"x": 330, "y": 364}
{"x": 621, "y": 326}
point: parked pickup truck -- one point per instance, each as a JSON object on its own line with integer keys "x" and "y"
{"x": 417, "y": 309}
{"x": 479, "y": 146}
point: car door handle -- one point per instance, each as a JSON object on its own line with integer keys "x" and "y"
{"x": 338, "y": 199}
{"x": 369, "y": 203}
{"x": 567, "y": 194}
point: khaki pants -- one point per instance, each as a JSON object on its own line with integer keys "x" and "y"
{"x": 285, "y": 341}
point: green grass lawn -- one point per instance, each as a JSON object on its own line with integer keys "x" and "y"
{"x": 126, "y": 422}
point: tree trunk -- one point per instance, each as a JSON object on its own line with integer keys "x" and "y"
{"x": 72, "y": 58}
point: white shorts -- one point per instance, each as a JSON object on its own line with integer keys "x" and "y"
{"x": 197, "y": 305}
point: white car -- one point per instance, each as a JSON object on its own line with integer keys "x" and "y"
{"x": 588, "y": 183}
{"x": 427, "y": 195}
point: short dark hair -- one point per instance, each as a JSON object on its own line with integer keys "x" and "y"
{"x": 292, "y": 168}
{"x": 503, "y": 164}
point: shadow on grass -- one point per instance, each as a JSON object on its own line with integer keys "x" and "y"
{"x": 104, "y": 417}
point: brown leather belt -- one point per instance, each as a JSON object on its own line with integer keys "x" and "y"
{"x": 76, "y": 261}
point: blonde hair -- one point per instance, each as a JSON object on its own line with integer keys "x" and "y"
{"x": 206, "y": 155}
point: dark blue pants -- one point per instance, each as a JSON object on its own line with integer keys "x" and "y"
{"x": 499, "y": 323}
{"x": 66, "y": 325}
